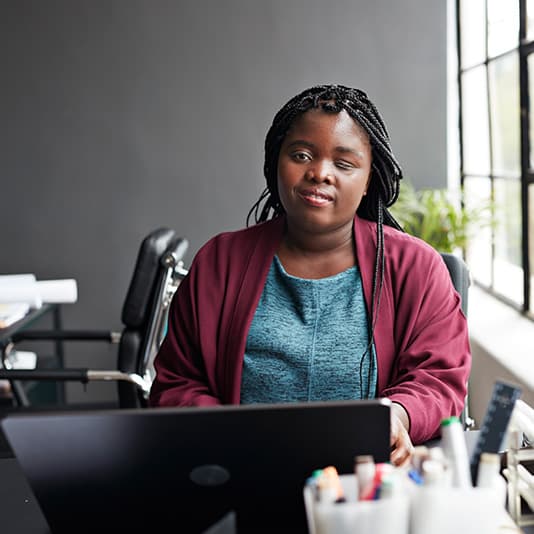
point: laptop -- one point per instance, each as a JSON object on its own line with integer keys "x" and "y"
{"x": 228, "y": 469}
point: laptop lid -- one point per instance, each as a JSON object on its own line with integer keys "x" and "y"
{"x": 186, "y": 469}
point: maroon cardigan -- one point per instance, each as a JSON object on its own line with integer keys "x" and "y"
{"x": 421, "y": 335}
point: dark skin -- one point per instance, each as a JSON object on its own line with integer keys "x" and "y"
{"x": 324, "y": 168}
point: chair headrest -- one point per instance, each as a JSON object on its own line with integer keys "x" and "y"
{"x": 143, "y": 284}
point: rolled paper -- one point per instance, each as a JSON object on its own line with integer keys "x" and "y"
{"x": 58, "y": 291}
{"x": 35, "y": 293}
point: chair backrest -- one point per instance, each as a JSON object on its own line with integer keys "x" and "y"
{"x": 459, "y": 275}
{"x": 143, "y": 312}
{"x": 461, "y": 280}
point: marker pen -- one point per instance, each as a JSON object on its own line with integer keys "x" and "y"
{"x": 329, "y": 485}
{"x": 420, "y": 454}
{"x": 312, "y": 483}
{"x": 433, "y": 472}
{"x": 364, "y": 469}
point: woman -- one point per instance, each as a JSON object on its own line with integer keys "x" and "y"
{"x": 324, "y": 297}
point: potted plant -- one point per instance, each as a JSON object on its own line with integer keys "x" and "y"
{"x": 435, "y": 216}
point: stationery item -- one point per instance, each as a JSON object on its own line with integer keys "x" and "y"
{"x": 364, "y": 469}
{"x": 455, "y": 450}
{"x": 433, "y": 473}
{"x": 16, "y": 279}
{"x": 36, "y": 292}
{"x": 523, "y": 421}
{"x": 495, "y": 423}
{"x": 388, "y": 514}
{"x": 446, "y": 510}
{"x": 13, "y": 312}
{"x": 329, "y": 486}
{"x": 489, "y": 466}
{"x": 21, "y": 359}
{"x": 420, "y": 454}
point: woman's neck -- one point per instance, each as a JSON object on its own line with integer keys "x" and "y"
{"x": 317, "y": 255}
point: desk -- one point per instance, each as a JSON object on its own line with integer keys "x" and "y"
{"x": 20, "y": 513}
{"x": 34, "y": 316}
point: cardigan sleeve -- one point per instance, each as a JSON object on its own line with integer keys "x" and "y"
{"x": 183, "y": 377}
{"x": 433, "y": 358}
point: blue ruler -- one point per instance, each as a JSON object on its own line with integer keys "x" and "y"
{"x": 495, "y": 423}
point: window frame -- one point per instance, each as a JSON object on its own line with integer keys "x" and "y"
{"x": 523, "y": 49}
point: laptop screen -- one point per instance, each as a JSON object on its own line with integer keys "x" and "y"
{"x": 190, "y": 469}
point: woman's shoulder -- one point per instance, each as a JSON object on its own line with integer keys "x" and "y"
{"x": 403, "y": 247}
{"x": 243, "y": 236}
{"x": 407, "y": 242}
{"x": 237, "y": 243}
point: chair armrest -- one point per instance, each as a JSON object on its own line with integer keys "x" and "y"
{"x": 77, "y": 375}
{"x": 67, "y": 335}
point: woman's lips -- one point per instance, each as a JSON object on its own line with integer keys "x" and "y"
{"x": 315, "y": 197}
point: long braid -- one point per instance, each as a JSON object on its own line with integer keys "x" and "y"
{"x": 384, "y": 183}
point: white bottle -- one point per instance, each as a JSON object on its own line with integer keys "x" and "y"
{"x": 489, "y": 475}
{"x": 455, "y": 450}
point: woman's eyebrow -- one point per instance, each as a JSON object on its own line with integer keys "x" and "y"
{"x": 346, "y": 149}
{"x": 300, "y": 142}
{"x": 343, "y": 149}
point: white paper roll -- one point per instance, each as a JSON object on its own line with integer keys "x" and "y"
{"x": 16, "y": 279}
{"x": 37, "y": 292}
{"x": 23, "y": 293}
{"x": 58, "y": 291}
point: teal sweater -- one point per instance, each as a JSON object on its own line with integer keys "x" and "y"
{"x": 308, "y": 340}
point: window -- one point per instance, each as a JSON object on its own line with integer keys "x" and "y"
{"x": 496, "y": 86}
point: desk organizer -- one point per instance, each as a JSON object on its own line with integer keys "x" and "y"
{"x": 420, "y": 510}
{"x": 457, "y": 510}
{"x": 520, "y": 485}
{"x": 386, "y": 516}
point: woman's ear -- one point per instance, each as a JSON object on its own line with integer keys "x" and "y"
{"x": 367, "y": 185}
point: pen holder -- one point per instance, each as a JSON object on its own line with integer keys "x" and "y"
{"x": 384, "y": 516}
{"x": 436, "y": 510}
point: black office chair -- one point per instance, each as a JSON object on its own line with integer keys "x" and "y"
{"x": 461, "y": 280}
{"x": 459, "y": 275}
{"x": 157, "y": 274}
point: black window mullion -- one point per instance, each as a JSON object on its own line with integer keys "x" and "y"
{"x": 525, "y": 150}
{"x": 459, "y": 80}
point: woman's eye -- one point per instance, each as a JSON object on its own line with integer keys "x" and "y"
{"x": 301, "y": 156}
{"x": 344, "y": 165}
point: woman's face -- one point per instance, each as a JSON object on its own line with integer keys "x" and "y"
{"x": 323, "y": 170}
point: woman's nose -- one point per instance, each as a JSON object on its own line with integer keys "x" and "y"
{"x": 321, "y": 171}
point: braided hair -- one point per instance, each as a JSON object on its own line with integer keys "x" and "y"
{"x": 384, "y": 183}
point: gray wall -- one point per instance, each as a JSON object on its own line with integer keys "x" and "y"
{"x": 119, "y": 116}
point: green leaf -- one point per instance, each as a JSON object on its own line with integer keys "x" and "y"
{"x": 433, "y": 215}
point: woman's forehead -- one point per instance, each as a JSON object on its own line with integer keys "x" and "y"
{"x": 318, "y": 117}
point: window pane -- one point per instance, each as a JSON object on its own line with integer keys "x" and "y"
{"x": 504, "y": 111}
{"x": 508, "y": 273}
{"x": 531, "y": 243}
{"x": 530, "y": 20}
{"x": 472, "y": 32}
{"x": 477, "y": 192}
{"x": 530, "y": 63}
{"x": 503, "y": 26}
{"x": 475, "y": 136}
